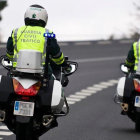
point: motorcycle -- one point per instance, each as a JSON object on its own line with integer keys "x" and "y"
{"x": 128, "y": 94}
{"x": 30, "y": 100}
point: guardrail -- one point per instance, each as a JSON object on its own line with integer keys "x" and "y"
{"x": 90, "y": 42}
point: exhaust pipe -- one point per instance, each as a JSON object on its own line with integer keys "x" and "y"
{"x": 2, "y": 115}
{"x": 47, "y": 119}
{"x": 124, "y": 107}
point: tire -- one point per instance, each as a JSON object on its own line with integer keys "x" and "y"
{"x": 24, "y": 131}
{"x": 137, "y": 123}
{"x": 20, "y": 131}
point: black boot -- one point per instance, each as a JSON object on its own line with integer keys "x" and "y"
{"x": 123, "y": 112}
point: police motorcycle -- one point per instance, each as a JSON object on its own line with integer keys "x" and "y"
{"x": 128, "y": 94}
{"x": 30, "y": 102}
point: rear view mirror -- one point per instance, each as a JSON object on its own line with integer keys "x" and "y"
{"x": 74, "y": 67}
{"x": 124, "y": 68}
{"x": 7, "y": 65}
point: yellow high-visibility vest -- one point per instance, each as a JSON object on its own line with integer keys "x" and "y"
{"x": 29, "y": 37}
{"x": 136, "y": 48}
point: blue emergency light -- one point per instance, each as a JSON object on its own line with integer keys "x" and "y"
{"x": 49, "y": 35}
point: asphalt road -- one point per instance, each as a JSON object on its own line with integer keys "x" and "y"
{"x": 95, "y": 117}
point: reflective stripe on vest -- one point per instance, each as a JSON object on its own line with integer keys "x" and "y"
{"x": 44, "y": 51}
{"x": 59, "y": 60}
{"x": 15, "y": 37}
{"x": 136, "y": 49}
{"x": 15, "y": 46}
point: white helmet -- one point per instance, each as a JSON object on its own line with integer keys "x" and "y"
{"x": 37, "y": 15}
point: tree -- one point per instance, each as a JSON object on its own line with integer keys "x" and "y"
{"x": 135, "y": 31}
{"x": 111, "y": 37}
{"x": 3, "y": 4}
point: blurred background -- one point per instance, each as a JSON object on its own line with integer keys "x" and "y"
{"x": 97, "y": 34}
{"x": 77, "y": 19}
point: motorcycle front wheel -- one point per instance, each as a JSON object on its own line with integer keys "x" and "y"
{"x": 24, "y": 131}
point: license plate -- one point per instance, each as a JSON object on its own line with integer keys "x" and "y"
{"x": 24, "y": 108}
{"x": 137, "y": 101}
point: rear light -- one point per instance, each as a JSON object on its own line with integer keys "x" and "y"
{"x": 137, "y": 85}
{"x": 32, "y": 91}
{"x": 25, "y": 98}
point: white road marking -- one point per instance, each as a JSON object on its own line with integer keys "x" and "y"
{"x": 83, "y": 93}
{"x": 106, "y": 83}
{"x": 104, "y": 42}
{"x": 1, "y": 138}
{"x": 88, "y": 91}
{"x": 2, "y": 46}
{"x": 63, "y": 44}
{"x": 69, "y": 102}
{"x": 73, "y": 99}
{"x": 77, "y": 96}
{"x": 100, "y": 86}
{"x": 86, "y": 43}
{"x": 4, "y": 127}
{"x": 5, "y": 133}
{"x": 126, "y": 41}
{"x": 82, "y": 43}
{"x": 113, "y": 81}
{"x": 94, "y": 89}
{"x": 100, "y": 59}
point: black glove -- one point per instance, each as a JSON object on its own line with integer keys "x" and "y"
{"x": 66, "y": 66}
{"x": 130, "y": 68}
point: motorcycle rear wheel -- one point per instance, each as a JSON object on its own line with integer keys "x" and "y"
{"x": 24, "y": 131}
{"x": 137, "y": 123}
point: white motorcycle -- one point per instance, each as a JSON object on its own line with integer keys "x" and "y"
{"x": 30, "y": 101}
{"x": 128, "y": 95}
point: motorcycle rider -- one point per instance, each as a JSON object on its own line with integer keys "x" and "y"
{"x": 133, "y": 56}
{"x": 31, "y": 37}
{"x": 132, "y": 61}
